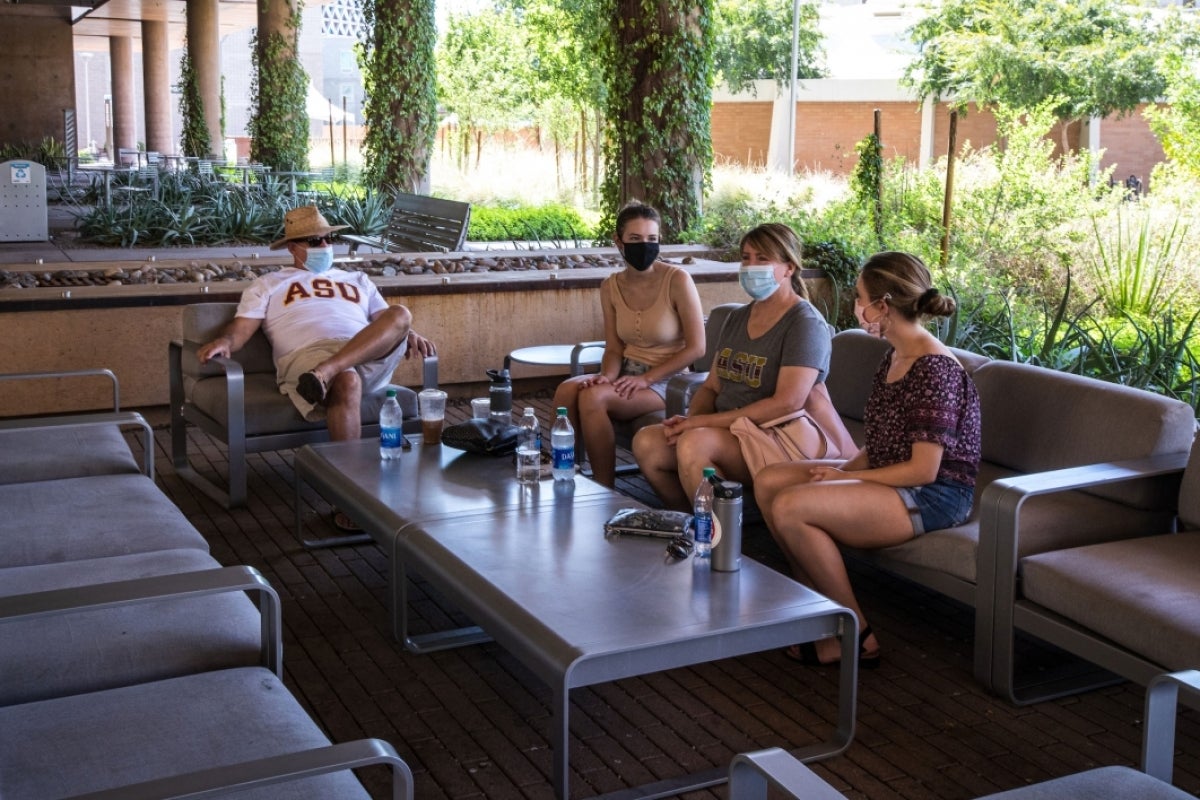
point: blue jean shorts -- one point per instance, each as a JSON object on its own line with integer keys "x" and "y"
{"x": 938, "y": 505}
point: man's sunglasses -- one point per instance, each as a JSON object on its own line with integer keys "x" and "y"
{"x": 318, "y": 241}
{"x": 680, "y": 547}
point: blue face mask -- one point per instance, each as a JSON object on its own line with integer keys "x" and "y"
{"x": 759, "y": 282}
{"x": 319, "y": 259}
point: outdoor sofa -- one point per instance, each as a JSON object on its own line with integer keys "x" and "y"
{"x": 751, "y": 774}
{"x": 1067, "y": 461}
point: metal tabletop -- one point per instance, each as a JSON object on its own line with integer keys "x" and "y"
{"x": 532, "y": 567}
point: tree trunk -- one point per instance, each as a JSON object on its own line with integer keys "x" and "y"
{"x": 659, "y": 101}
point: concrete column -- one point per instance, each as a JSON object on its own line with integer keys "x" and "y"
{"x": 928, "y": 147}
{"x": 156, "y": 81}
{"x": 204, "y": 46}
{"x": 120, "y": 52}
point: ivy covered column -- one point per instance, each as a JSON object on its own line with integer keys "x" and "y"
{"x": 204, "y": 62}
{"x": 278, "y": 114}
{"x": 658, "y": 66}
{"x": 401, "y": 99}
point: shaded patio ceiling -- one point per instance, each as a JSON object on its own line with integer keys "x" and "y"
{"x": 96, "y": 20}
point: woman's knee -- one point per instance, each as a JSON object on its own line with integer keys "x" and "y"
{"x": 650, "y": 446}
{"x": 594, "y": 400}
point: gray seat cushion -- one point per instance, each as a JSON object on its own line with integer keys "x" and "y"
{"x": 1104, "y": 783}
{"x": 74, "y": 519}
{"x": 71, "y": 745}
{"x": 101, "y": 649}
{"x": 1043, "y": 527}
{"x": 27, "y": 456}
{"x": 1139, "y": 593}
{"x": 268, "y": 411}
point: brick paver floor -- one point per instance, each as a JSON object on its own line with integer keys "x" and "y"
{"x": 471, "y": 723}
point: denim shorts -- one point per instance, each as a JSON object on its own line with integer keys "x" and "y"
{"x": 631, "y": 367}
{"x": 938, "y": 505}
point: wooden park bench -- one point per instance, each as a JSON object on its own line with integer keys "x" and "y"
{"x": 419, "y": 224}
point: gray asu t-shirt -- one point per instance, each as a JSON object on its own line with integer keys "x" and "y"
{"x": 749, "y": 368}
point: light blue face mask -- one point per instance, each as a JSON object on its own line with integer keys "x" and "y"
{"x": 319, "y": 259}
{"x": 759, "y": 282}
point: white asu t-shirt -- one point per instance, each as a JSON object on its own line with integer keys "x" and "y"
{"x": 299, "y": 307}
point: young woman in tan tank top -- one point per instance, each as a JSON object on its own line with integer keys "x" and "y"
{"x": 653, "y": 329}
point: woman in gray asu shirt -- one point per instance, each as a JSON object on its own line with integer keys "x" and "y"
{"x": 770, "y": 355}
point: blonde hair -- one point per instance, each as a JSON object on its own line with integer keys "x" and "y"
{"x": 781, "y": 243}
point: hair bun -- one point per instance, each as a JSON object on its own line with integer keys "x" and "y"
{"x": 928, "y": 295}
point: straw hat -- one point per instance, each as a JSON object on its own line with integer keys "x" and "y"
{"x": 304, "y": 223}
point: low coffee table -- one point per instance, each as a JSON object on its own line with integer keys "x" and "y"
{"x": 532, "y": 567}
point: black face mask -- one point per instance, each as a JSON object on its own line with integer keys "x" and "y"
{"x": 640, "y": 255}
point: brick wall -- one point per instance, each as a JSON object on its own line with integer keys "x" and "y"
{"x": 827, "y": 131}
{"x": 38, "y": 78}
{"x": 741, "y": 132}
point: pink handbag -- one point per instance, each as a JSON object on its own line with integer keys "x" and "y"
{"x": 792, "y": 437}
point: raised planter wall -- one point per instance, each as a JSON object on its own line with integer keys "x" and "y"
{"x": 474, "y": 318}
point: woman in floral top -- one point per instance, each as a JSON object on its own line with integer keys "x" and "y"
{"x": 917, "y": 470}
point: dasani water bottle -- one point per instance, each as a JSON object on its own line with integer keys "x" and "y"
{"x": 562, "y": 445}
{"x": 702, "y": 514}
{"x": 390, "y": 420}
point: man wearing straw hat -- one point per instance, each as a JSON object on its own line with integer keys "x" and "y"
{"x": 333, "y": 335}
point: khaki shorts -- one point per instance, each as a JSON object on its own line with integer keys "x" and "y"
{"x": 374, "y": 374}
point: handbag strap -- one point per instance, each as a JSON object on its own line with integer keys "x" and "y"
{"x": 785, "y": 418}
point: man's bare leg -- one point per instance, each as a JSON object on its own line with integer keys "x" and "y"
{"x": 383, "y": 335}
{"x": 343, "y": 407}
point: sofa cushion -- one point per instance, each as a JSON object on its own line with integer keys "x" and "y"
{"x": 1097, "y": 784}
{"x": 75, "y": 519}
{"x": 1189, "y": 491}
{"x": 71, "y": 745}
{"x": 27, "y": 456}
{"x": 269, "y": 411}
{"x": 1037, "y": 419}
{"x": 1044, "y": 526}
{"x": 1139, "y": 593}
{"x": 101, "y": 649}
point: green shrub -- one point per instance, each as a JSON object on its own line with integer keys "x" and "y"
{"x": 549, "y": 225}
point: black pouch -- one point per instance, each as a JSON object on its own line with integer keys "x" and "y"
{"x": 648, "y": 522}
{"x": 482, "y": 436}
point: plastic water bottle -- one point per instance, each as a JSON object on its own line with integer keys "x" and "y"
{"x": 702, "y": 514}
{"x": 390, "y": 420}
{"x": 529, "y": 449}
{"x": 562, "y": 445}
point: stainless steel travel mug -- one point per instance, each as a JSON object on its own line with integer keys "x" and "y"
{"x": 727, "y": 511}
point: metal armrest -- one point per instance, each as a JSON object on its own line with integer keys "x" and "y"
{"x": 136, "y": 591}
{"x": 750, "y": 774}
{"x": 578, "y": 350}
{"x": 429, "y": 373}
{"x": 272, "y": 770}
{"x": 89, "y": 421}
{"x": 999, "y": 536}
{"x": 1158, "y": 737}
{"x": 680, "y": 389}
{"x": 74, "y": 373}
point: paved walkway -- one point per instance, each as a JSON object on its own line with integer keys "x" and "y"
{"x": 471, "y": 722}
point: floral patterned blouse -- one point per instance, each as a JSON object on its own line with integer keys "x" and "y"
{"x": 935, "y": 402}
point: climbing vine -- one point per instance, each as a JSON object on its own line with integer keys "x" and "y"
{"x": 867, "y": 179}
{"x": 194, "y": 138}
{"x": 397, "y": 62}
{"x": 278, "y": 124}
{"x": 658, "y": 70}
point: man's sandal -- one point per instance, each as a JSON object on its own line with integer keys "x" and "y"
{"x": 311, "y": 388}
{"x": 343, "y": 523}
{"x": 806, "y": 654}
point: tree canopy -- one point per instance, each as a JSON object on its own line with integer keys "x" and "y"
{"x": 1090, "y": 57}
{"x": 752, "y": 40}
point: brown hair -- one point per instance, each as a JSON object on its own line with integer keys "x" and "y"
{"x": 635, "y": 210}
{"x": 779, "y": 242}
{"x": 906, "y": 282}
